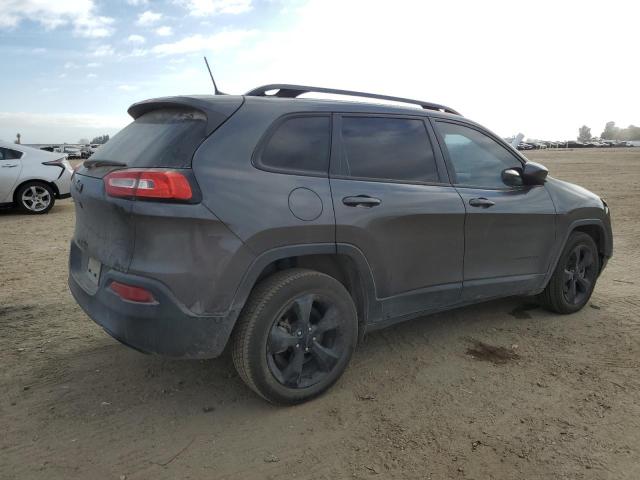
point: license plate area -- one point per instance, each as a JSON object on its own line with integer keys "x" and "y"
{"x": 93, "y": 270}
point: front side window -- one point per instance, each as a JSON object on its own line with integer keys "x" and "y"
{"x": 386, "y": 148}
{"x": 477, "y": 159}
{"x": 9, "y": 154}
{"x": 299, "y": 144}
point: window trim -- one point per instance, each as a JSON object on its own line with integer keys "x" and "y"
{"x": 449, "y": 163}
{"x": 338, "y": 150}
{"x": 256, "y": 157}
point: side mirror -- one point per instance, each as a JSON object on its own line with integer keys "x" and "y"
{"x": 534, "y": 174}
{"x": 512, "y": 177}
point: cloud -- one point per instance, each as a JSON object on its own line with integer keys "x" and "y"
{"x": 71, "y": 66}
{"x": 79, "y": 14}
{"x": 137, "y": 52}
{"x": 148, "y": 17}
{"x": 127, "y": 88}
{"x": 92, "y": 75}
{"x": 164, "y": 31}
{"x": 136, "y": 39}
{"x": 39, "y": 51}
{"x": 94, "y": 64}
{"x": 136, "y": 3}
{"x": 199, "y": 43}
{"x": 103, "y": 51}
{"x": 202, "y": 8}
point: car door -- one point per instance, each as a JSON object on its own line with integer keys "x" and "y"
{"x": 393, "y": 201}
{"x": 10, "y": 167}
{"x": 509, "y": 230}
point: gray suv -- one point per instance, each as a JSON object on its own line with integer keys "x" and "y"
{"x": 288, "y": 227}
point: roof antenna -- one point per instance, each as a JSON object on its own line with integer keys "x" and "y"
{"x": 215, "y": 87}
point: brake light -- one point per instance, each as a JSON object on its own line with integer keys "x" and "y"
{"x": 132, "y": 293}
{"x": 155, "y": 184}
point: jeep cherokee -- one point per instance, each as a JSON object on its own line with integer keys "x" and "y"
{"x": 288, "y": 227}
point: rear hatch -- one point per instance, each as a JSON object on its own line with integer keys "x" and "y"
{"x": 165, "y": 134}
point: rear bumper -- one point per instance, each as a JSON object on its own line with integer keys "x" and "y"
{"x": 164, "y": 328}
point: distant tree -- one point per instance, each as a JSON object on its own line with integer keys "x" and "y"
{"x": 632, "y": 132}
{"x": 101, "y": 139}
{"x": 610, "y": 131}
{"x": 83, "y": 141}
{"x": 584, "y": 134}
{"x": 18, "y": 136}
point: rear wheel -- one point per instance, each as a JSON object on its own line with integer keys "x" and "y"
{"x": 35, "y": 198}
{"x": 575, "y": 276}
{"x": 295, "y": 336}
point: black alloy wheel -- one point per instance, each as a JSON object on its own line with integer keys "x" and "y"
{"x": 295, "y": 335}
{"x": 305, "y": 342}
{"x": 579, "y": 275}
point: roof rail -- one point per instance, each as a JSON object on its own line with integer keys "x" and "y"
{"x": 293, "y": 91}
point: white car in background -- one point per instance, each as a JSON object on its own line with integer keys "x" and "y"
{"x": 32, "y": 179}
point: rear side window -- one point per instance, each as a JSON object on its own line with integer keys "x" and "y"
{"x": 387, "y": 149}
{"x": 9, "y": 154}
{"x": 298, "y": 144}
{"x": 161, "y": 138}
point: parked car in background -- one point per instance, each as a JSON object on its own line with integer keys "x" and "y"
{"x": 32, "y": 179}
{"x": 71, "y": 151}
{"x": 288, "y": 227}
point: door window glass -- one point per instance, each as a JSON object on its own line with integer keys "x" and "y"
{"x": 477, "y": 159}
{"x": 9, "y": 154}
{"x": 387, "y": 149}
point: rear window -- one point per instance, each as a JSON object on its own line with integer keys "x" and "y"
{"x": 166, "y": 137}
{"x": 299, "y": 145}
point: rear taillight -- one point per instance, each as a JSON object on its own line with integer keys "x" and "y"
{"x": 152, "y": 184}
{"x": 132, "y": 293}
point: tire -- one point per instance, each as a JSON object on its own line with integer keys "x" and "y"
{"x": 274, "y": 356}
{"x": 35, "y": 198}
{"x": 574, "y": 278}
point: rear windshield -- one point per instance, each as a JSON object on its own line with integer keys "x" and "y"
{"x": 166, "y": 137}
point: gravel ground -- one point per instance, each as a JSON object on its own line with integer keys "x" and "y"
{"x": 499, "y": 390}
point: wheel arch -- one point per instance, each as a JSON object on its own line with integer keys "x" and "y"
{"x": 53, "y": 186}
{"x": 595, "y": 228}
{"x": 345, "y": 263}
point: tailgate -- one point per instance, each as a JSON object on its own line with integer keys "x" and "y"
{"x": 104, "y": 225}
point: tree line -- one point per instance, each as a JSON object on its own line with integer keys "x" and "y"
{"x": 610, "y": 132}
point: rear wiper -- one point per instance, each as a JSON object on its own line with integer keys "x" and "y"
{"x": 103, "y": 163}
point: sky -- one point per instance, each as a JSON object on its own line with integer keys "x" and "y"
{"x": 71, "y": 68}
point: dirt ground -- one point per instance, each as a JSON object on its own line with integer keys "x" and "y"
{"x": 503, "y": 390}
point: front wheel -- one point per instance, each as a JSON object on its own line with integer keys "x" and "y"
{"x": 574, "y": 278}
{"x": 295, "y": 336}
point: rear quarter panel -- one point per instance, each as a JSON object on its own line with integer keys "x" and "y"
{"x": 253, "y": 203}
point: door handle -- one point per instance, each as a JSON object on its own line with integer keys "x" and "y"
{"x": 481, "y": 202}
{"x": 11, "y": 165}
{"x": 361, "y": 201}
